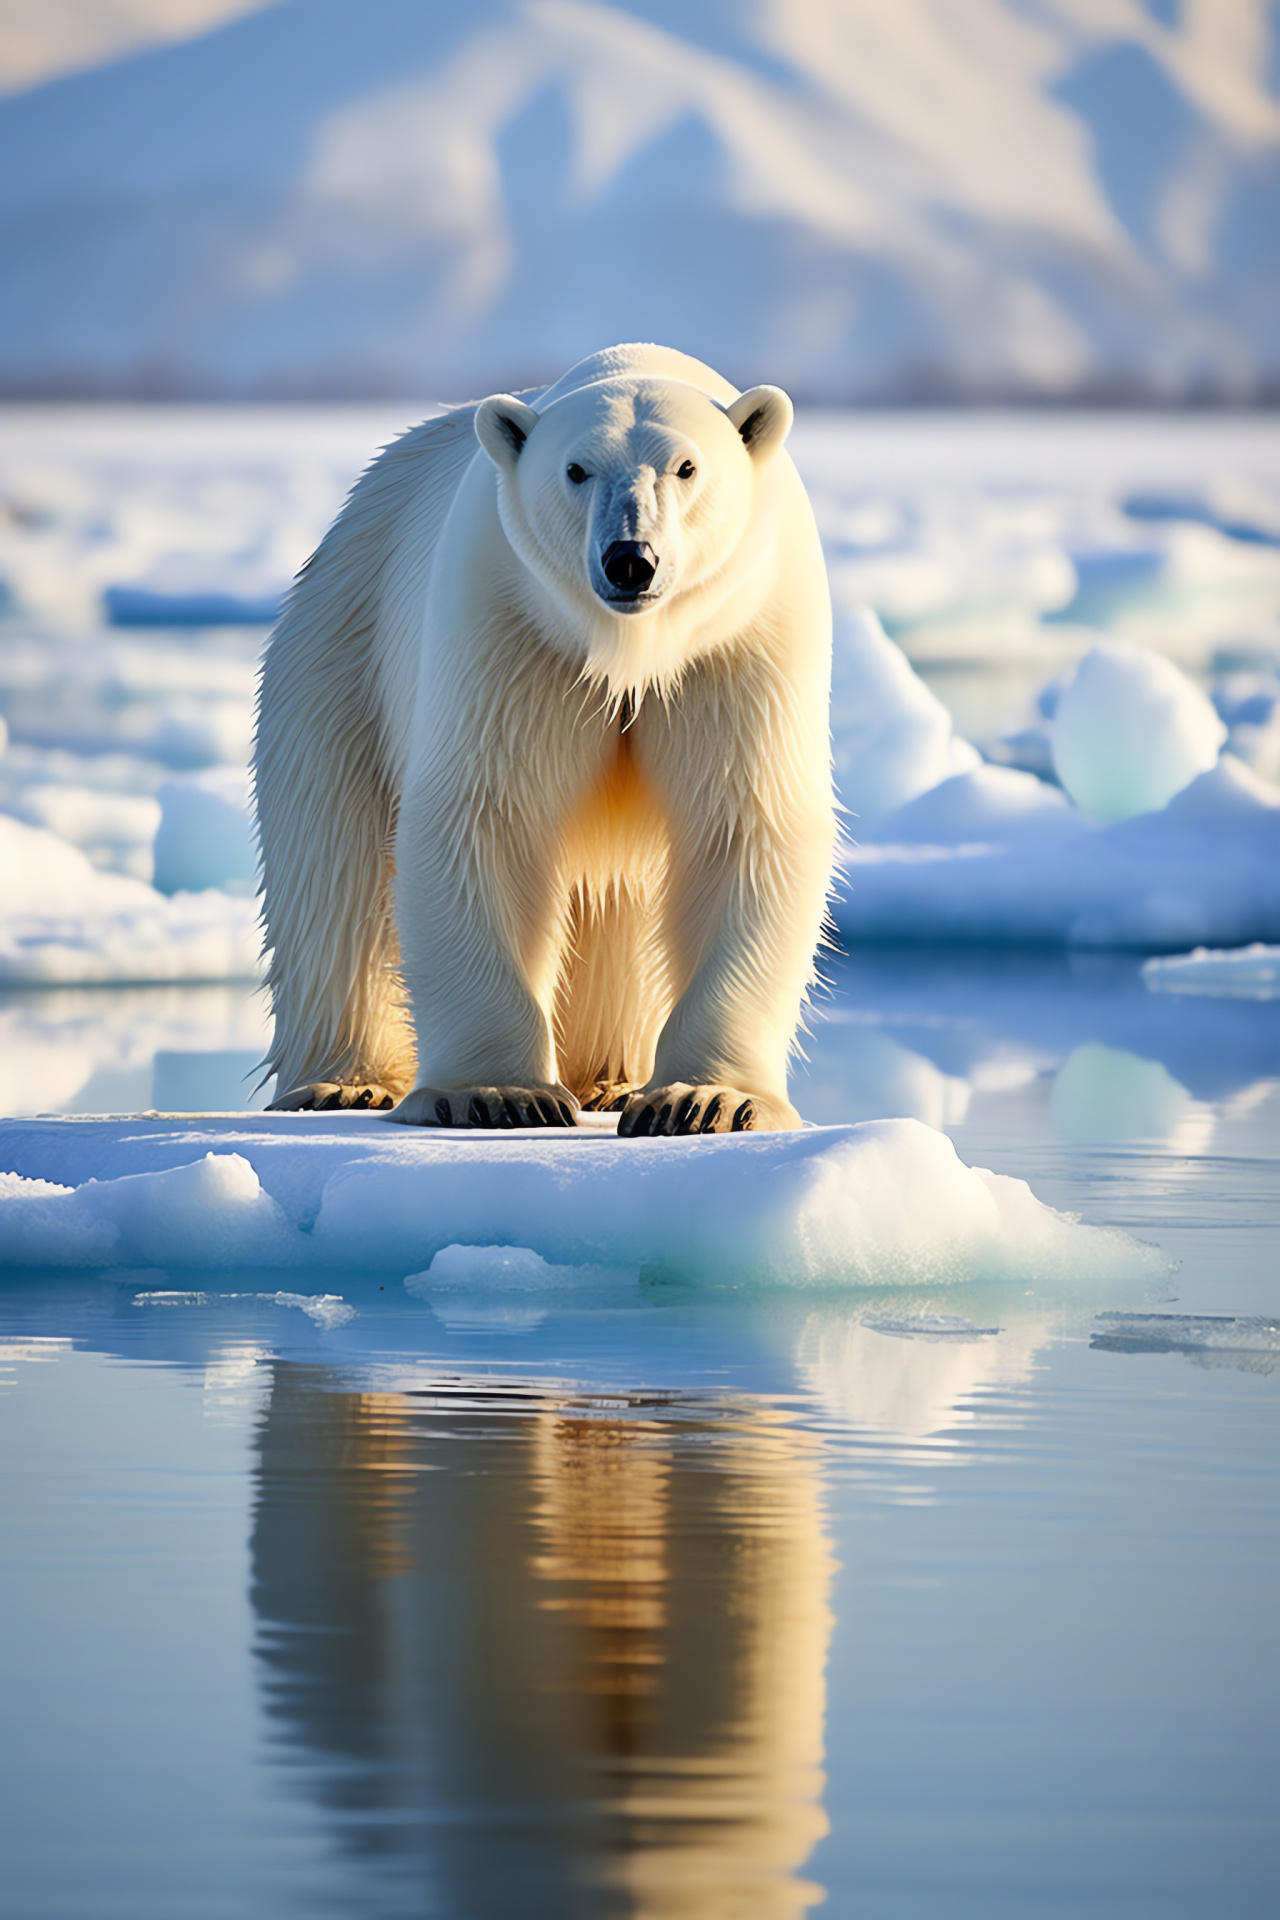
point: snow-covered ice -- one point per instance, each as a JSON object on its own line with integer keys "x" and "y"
{"x": 883, "y": 1204}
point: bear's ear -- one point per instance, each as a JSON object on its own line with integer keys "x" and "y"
{"x": 503, "y": 424}
{"x": 763, "y": 417}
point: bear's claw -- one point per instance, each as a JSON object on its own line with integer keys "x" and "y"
{"x": 684, "y": 1109}
{"x": 489, "y": 1108}
{"x": 327, "y": 1096}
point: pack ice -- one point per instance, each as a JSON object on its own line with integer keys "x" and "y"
{"x": 1154, "y": 840}
{"x": 887, "y": 1203}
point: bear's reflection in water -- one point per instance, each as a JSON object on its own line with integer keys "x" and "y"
{"x": 547, "y": 1658}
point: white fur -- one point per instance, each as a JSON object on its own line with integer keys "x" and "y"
{"x": 563, "y": 842}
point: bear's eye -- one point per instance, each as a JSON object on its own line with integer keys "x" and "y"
{"x": 575, "y": 473}
{"x": 686, "y": 472}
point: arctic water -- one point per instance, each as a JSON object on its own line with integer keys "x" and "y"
{"x": 474, "y": 1601}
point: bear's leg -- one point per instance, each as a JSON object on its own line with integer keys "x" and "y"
{"x": 482, "y": 926}
{"x": 720, "y": 1063}
{"x": 614, "y": 992}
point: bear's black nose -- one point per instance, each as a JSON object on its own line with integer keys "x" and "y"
{"x": 629, "y": 565}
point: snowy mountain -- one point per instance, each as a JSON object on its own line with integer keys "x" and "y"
{"x": 892, "y": 198}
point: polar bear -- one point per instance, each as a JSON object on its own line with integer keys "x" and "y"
{"x": 543, "y": 765}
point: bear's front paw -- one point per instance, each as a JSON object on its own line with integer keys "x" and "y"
{"x": 685, "y": 1109}
{"x": 490, "y": 1107}
{"x": 326, "y": 1096}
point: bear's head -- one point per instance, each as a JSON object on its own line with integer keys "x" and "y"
{"x": 635, "y": 503}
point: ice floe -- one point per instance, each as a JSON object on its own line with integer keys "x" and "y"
{"x": 885, "y": 1204}
{"x": 1249, "y": 1343}
{"x": 1246, "y": 973}
{"x": 326, "y": 1309}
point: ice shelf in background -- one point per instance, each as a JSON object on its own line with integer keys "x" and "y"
{"x": 884, "y": 1204}
{"x": 1247, "y": 973}
{"x": 997, "y": 856}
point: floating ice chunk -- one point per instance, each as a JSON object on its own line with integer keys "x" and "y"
{"x": 1130, "y": 731}
{"x": 927, "y": 1326}
{"x": 461, "y": 1283}
{"x": 511, "y": 1269}
{"x": 205, "y": 833}
{"x": 1246, "y": 1341}
{"x": 1246, "y": 973}
{"x": 893, "y": 738}
{"x": 326, "y": 1309}
{"x": 875, "y": 1077}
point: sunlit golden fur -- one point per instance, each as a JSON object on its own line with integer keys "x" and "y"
{"x": 511, "y": 835}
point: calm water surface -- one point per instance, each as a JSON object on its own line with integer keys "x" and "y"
{"x": 707, "y": 1605}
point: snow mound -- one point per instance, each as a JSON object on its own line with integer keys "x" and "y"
{"x": 892, "y": 736}
{"x": 996, "y": 857}
{"x": 1247, "y": 973}
{"x": 63, "y": 922}
{"x": 1130, "y": 731}
{"x": 883, "y": 1204}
